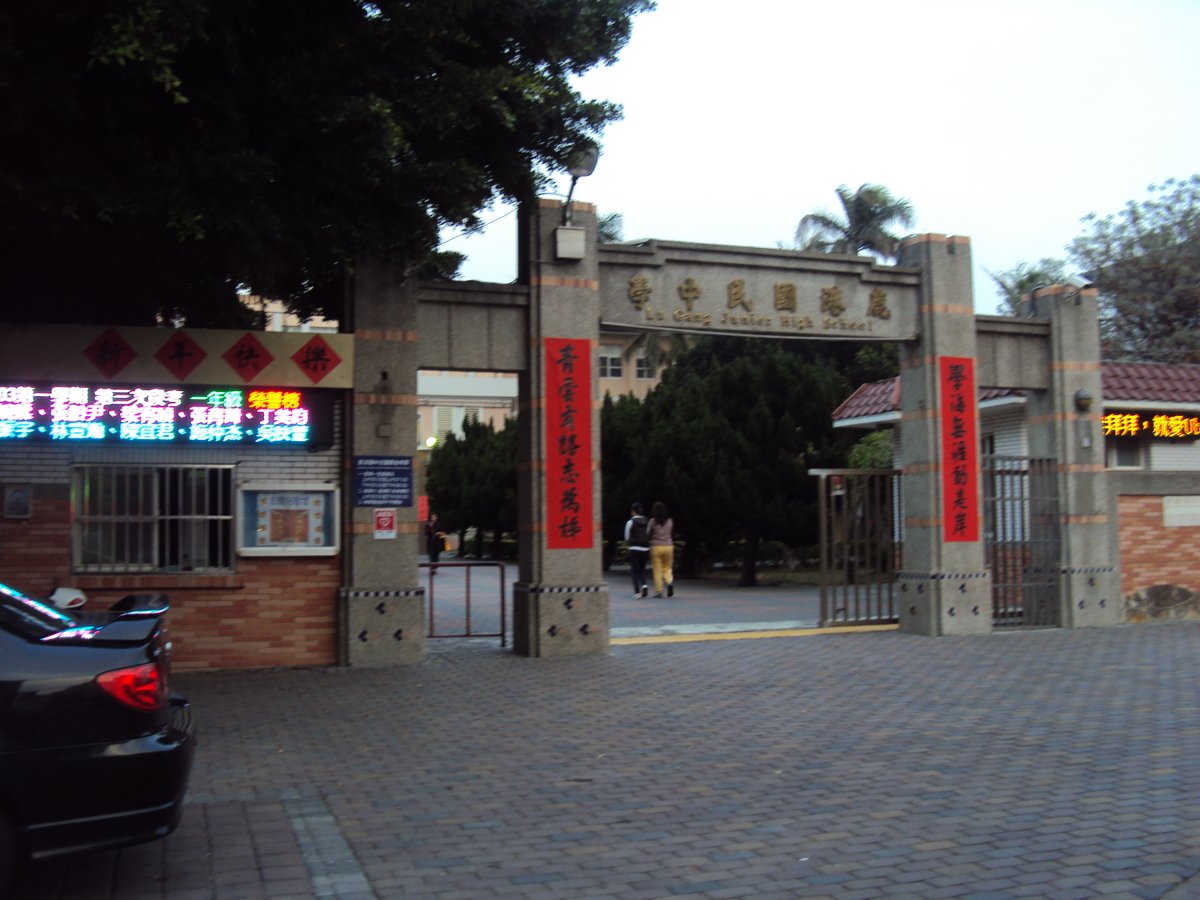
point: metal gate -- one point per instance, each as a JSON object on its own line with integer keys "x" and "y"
{"x": 860, "y": 544}
{"x": 455, "y": 590}
{"x": 1022, "y": 539}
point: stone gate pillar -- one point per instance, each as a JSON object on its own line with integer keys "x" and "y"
{"x": 382, "y": 617}
{"x": 560, "y": 601}
{"x": 1064, "y": 424}
{"x": 944, "y": 584}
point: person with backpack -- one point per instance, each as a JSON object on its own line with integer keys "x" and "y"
{"x": 661, "y": 531}
{"x": 637, "y": 543}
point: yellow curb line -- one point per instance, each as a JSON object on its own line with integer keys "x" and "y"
{"x": 750, "y": 635}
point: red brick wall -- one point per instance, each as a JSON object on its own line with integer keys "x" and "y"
{"x": 35, "y": 555}
{"x": 1151, "y": 553}
{"x": 269, "y": 612}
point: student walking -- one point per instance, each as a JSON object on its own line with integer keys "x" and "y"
{"x": 435, "y": 538}
{"x": 662, "y": 549}
{"x": 637, "y": 544}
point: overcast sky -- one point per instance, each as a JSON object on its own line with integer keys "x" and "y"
{"x": 1006, "y": 122}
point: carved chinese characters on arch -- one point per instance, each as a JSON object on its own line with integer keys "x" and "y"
{"x": 689, "y": 292}
{"x": 768, "y": 302}
{"x": 639, "y": 291}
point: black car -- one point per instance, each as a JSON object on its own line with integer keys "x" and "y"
{"x": 95, "y": 753}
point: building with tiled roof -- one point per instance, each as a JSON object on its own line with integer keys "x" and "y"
{"x": 1150, "y": 414}
{"x": 1129, "y": 385}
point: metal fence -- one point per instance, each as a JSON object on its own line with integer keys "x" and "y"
{"x": 456, "y": 591}
{"x": 860, "y": 544}
{"x": 1022, "y": 539}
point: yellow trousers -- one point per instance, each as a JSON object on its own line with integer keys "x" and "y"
{"x": 661, "y": 561}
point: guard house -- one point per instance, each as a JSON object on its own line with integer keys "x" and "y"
{"x": 205, "y": 465}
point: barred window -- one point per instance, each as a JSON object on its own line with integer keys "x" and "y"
{"x": 152, "y": 518}
{"x": 610, "y": 362}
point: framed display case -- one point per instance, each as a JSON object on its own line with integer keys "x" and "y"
{"x": 288, "y": 519}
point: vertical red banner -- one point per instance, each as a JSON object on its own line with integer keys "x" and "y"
{"x": 569, "y": 520}
{"x": 960, "y": 449}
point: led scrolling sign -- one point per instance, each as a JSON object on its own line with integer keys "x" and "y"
{"x": 1171, "y": 426}
{"x": 75, "y": 413}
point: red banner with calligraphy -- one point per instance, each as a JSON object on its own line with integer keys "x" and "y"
{"x": 960, "y": 449}
{"x": 569, "y": 521}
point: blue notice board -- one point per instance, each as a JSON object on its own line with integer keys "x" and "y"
{"x": 383, "y": 481}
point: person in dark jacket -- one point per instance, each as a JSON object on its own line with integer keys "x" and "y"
{"x": 637, "y": 544}
{"x": 435, "y": 538}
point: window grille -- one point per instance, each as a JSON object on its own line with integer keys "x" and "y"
{"x": 610, "y": 362}
{"x": 152, "y": 518}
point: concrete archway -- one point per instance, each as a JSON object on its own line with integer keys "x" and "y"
{"x": 546, "y": 329}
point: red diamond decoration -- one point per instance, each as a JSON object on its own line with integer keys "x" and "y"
{"x": 248, "y": 357}
{"x": 180, "y": 355}
{"x": 110, "y": 353}
{"x": 316, "y": 359}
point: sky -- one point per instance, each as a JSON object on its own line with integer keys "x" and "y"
{"x": 1005, "y": 122}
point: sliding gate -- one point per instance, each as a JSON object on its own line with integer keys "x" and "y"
{"x": 861, "y": 542}
{"x": 1022, "y": 540}
{"x": 860, "y": 547}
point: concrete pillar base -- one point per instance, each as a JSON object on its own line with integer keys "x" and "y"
{"x": 1091, "y": 597}
{"x": 944, "y": 603}
{"x": 560, "y": 620}
{"x": 383, "y": 627}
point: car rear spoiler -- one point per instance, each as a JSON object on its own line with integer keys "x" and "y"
{"x": 132, "y": 619}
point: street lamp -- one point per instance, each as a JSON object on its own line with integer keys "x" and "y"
{"x": 580, "y": 164}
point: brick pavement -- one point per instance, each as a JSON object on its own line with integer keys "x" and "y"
{"x": 699, "y": 604}
{"x": 1041, "y": 764}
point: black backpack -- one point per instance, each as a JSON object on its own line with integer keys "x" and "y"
{"x": 639, "y": 532}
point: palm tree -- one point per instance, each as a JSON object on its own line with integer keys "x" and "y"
{"x": 869, "y": 213}
{"x": 609, "y": 228}
{"x": 1024, "y": 278}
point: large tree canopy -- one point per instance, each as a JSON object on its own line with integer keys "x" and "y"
{"x": 726, "y": 440}
{"x": 160, "y": 154}
{"x": 1145, "y": 264}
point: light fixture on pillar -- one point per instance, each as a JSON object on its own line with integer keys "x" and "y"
{"x": 570, "y": 241}
{"x": 1083, "y": 403}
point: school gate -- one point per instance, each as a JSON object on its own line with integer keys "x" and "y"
{"x": 546, "y": 328}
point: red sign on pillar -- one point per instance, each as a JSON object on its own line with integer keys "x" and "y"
{"x": 569, "y": 523}
{"x": 960, "y": 449}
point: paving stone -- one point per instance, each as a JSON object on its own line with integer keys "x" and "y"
{"x": 1050, "y": 764}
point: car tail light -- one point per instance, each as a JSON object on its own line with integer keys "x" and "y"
{"x": 141, "y": 687}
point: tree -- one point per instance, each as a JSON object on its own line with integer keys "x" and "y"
{"x": 1024, "y": 278}
{"x": 621, "y": 444}
{"x": 873, "y": 451}
{"x": 161, "y": 154}
{"x": 1145, "y": 263}
{"x": 867, "y": 215}
{"x": 727, "y": 439}
{"x": 472, "y": 481}
{"x": 609, "y": 228}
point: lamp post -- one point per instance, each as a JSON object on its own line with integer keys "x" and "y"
{"x": 580, "y": 164}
